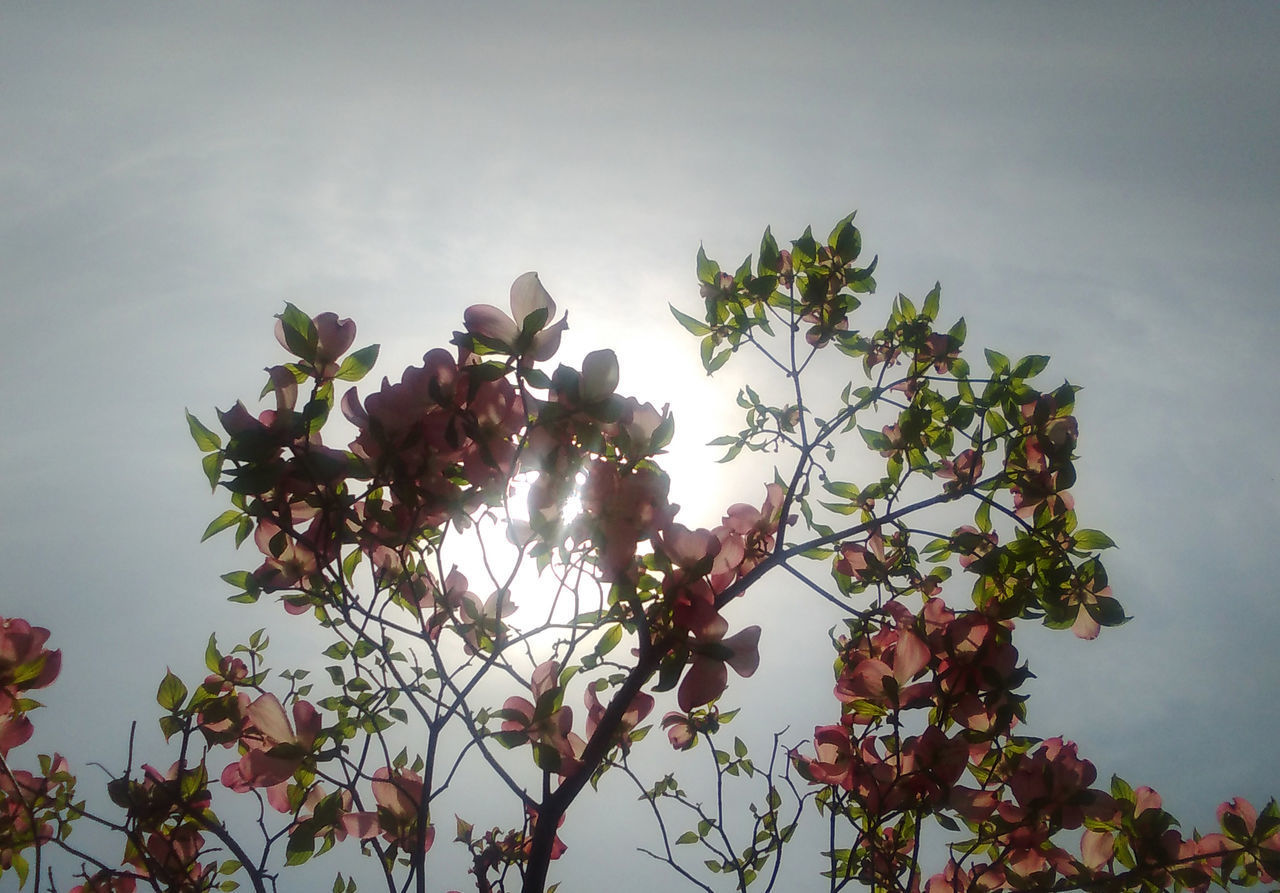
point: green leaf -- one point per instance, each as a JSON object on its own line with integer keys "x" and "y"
{"x": 212, "y": 656}
{"x": 845, "y": 240}
{"x": 932, "y": 300}
{"x": 842, "y": 489}
{"x": 205, "y": 439}
{"x": 982, "y": 517}
{"x": 997, "y": 361}
{"x": 610, "y": 640}
{"x": 171, "y": 693}
{"x": 1121, "y": 790}
{"x": 229, "y": 518}
{"x": 719, "y": 360}
{"x": 240, "y": 580}
{"x": 876, "y": 440}
{"x": 1092, "y": 540}
{"x": 708, "y": 269}
{"x": 804, "y": 250}
{"x": 688, "y": 837}
{"x": 958, "y": 331}
{"x": 770, "y": 257}
{"x": 212, "y": 464}
{"x": 300, "y": 846}
{"x": 170, "y": 725}
{"x": 860, "y": 281}
{"x": 243, "y": 530}
{"x": 357, "y": 365}
{"x": 693, "y": 326}
{"x": 1028, "y": 367}
{"x": 300, "y": 335}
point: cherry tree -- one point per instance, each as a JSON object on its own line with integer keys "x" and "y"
{"x": 505, "y": 591}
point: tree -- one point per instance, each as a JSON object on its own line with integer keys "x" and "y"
{"x": 583, "y": 589}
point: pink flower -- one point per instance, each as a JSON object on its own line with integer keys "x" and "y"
{"x": 863, "y": 562}
{"x": 274, "y": 750}
{"x": 972, "y": 545}
{"x": 938, "y": 350}
{"x": 883, "y": 680}
{"x": 546, "y": 725}
{"x": 24, "y": 664}
{"x": 289, "y": 562}
{"x": 835, "y": 758}
{"x": 1053, "y": 783}
{"x": 24, "y": 661}
{"x": 635, "y": 713}
{"x": 398, "y": 794}
{"x": 334, "y": 337}
{"x": 682, "y": 730}
{"x": 1086, "y": 593}
{"x": 963, "y": 471}
{"x": 106, "y": 882}
{"x": 753, "y": 528}
{"x": 712, "y": 653}
{"x": 507, "y": 332}
{"x": 175, "y": 853}
{"x": 620, "y": 508}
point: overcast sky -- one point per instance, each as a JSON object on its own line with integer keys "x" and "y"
{"x": 1093, "y": 181}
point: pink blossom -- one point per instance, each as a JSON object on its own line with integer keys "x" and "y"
{"x": 274, "y": 750}
{"x": 712, "y": 653}
{"x": 527, "y": 297}
{"x": 399, "y": 796}
{"x": 546, "y": 726}
{"x": 334, "y": 338}
{"x": 635, "y": 713}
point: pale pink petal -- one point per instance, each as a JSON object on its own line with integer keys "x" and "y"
{"x": 910, "y": 657}
{"x": 1085, "y": 626}
{"x": 268, "y": 717}
{"x": 278, "y": 797}
{"x": 547, "y": 342}
{"x": 599, "y": 375}
{"x": 528, "y": 295}
{"x": 490, "y": 322}
{"x": 361, "y": 824}
{"x": 335, "y": 336}
{"x": 1097, "y": 847}
{"x": 744, "y": 650}
{"x": 307, "y": 722}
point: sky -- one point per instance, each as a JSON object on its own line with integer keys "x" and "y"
{"x": 1097, "y": 182}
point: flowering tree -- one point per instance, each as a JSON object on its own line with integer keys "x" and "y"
{"x": 494, "y": 547}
